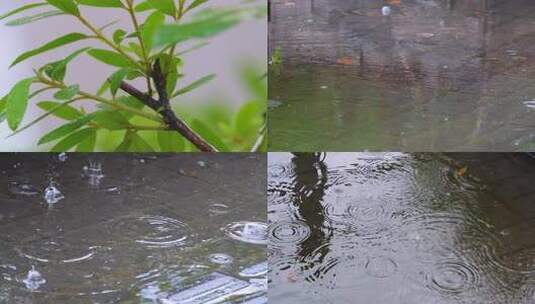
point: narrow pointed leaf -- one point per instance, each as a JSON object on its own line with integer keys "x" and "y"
{"x": 170, "y": 141}
{"x": 65, "y": 129}
{"x": 60, "y": 110}
{"x": 194, "y": 85}
{"x": 165, "y": 6}
{"x": 67, "y": 6}
{"x": 17, "y": 103}
{"x": 72, "y": 140}
{"x": 64, "y": 40}
{"x": 88, "y": 144}
{"x": 68, "y": 92}
{"x": 195, "y": 4}
{"x": 29, "y": 19}
{"x": 149, "y": 28}
{"x": 101, "y": 3}
{"x": 209, "y": 135}
{"x": 21, "y": 9}
{"x": 110, "y": 57}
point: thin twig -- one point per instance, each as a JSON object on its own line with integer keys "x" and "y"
{"x": 163, "y": 107}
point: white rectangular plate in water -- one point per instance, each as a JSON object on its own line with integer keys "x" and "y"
{"x": 214, "y": 288}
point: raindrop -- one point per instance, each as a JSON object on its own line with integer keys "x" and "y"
{"x": 201, "y": 163}
{"x": 248, "y": 232}
{"x": 34, "y": 280}
{"x": 386, "y": 10}
{"x": 62, "y": 157}
{"x": 220, "y": 258}
{"x": 52, "y": 194}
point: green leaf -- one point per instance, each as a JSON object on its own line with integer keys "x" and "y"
{"x": 57, "y": 70}
{"x": 195, "y": 4}
{"x": 72, "y": 140}
{"x": 65, "y": 129}
{"x": 3, "y": 102}
{"x": 68, "y": 92}
{"x": 17, "y": 103}
{"x": 101, "y": 3}
{"x": 67, "y": 6}
{"x": 110, "y": 57}
{"x": 64, "y": 40}
{"x": 170, "y": 141}
{"x": 131, "y": 102}
{"x": 143, "y": 7}
{"x": 21, "y": 9}
{"x": 29, "y": 19}
{"x": 209, "y": 135}
{"x": 118, "y": 36}
{"x": 204, "y": 28}
{"x": 60, "y": 110}
{"x": 116, "y": 79}
{"x": 155, "y": 20}
{"x": 88, "y": 144}
{"x": 138, "y": 144}
{"x": 165, "y": 6}
{"x": 195, "y": 85}
{"x": 111, "y": 120}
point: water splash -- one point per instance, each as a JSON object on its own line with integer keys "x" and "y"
{"x": 52, "y": 195}
{"x": 62, "y": 157}
{"x": 34, "y": 279}
{"x": 93, "y": 173}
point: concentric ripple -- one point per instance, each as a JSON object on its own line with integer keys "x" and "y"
{"x": 366, "y": 220}
{"x": 289, "y": 232}
{"x": 453, "y": 277}
{"x": 248, "y": 232}
{"x": 57, "y": 251}
{"x": 153, "y": 231}
{"x": 381, "y": 267}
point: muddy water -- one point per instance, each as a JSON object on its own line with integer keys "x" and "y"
{"x": 401, "y": 228}
{"x": 431, "y": 76}
{"x": 132, "y": 229}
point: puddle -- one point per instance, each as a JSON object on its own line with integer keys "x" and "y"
{"x": 399, "y": 228}
{"x": 415, "y": 75}
{"x": 97, "y": 228}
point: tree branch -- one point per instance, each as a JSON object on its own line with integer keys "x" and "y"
{"x": 163, "y": 108}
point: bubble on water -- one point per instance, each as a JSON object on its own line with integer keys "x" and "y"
{"x": 453, "y": 277}
{"x": 62, "y": 157}
{"x": 248, "y": 232}
{"x": 52, "y": 195}
{"x": 220, "y": 258}
{"x": 386, "y": 10}
{"x": 289, "y": 232}
{"x": 381, "y": 267}
{"x": 218, "y": 209}
{"x": 201, "y": 163}
{"x": 23, "y": 188}
{"x": 34, "y": 279}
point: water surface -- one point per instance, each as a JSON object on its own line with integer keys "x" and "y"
{"x": 132, "y": 228}
{"x": 432, "y": 76}
{"x": 401, "y": 228}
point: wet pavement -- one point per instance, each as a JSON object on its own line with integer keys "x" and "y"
{"x": 132, "y": 228}
{"x": 401, "y": 228}
{"x": 430, "y": 76}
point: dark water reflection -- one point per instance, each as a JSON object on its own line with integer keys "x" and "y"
{"x": 401, "y": 228}
{"x": 435, "y": 75}
{"x": 133, "y": 229}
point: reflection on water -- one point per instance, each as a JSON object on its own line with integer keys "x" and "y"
{"x": 434, "y": 75}
{"x": 132, "y": 229}
{"x": 401, "y": 228}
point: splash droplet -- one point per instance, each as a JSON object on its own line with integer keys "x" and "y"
{"x": 34, "y": 280}
{"x": 52, "y": 194}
